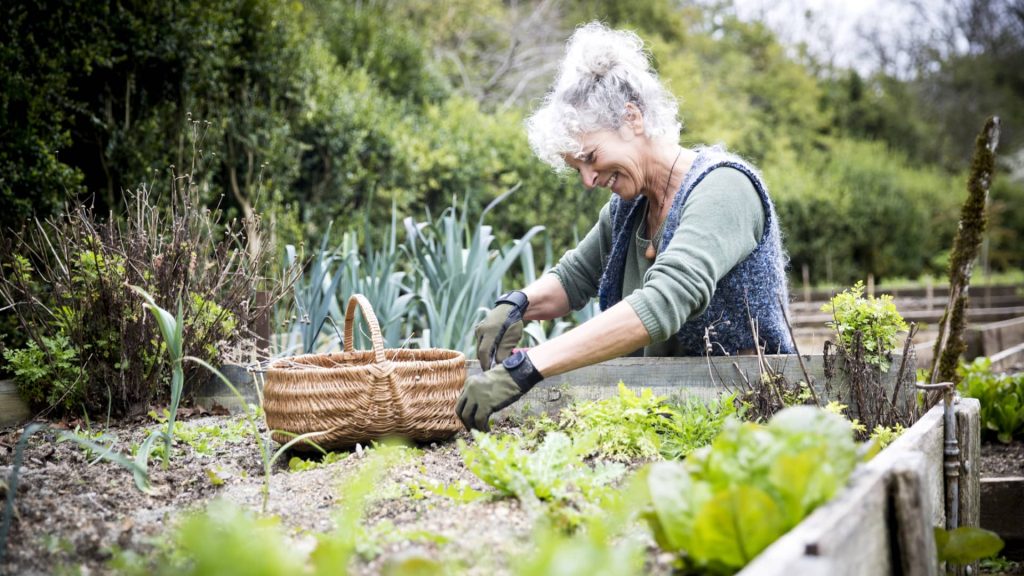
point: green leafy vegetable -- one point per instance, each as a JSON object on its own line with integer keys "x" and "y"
{"x": 297, "y": 464}
{"x": 1001, "y": 397}
{"x": 631, "y": 426}
{"x": 730, "y": 500}
{"x": 966, "y": 544}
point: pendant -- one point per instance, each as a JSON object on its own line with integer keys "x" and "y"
{"x": 650, "y": 253}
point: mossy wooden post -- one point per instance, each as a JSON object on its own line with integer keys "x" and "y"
{"x": 950, "y": 341}
{"x": 968, "y": 433}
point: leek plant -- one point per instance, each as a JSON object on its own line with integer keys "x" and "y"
{"x": 314, "y": 293}
{"x": 459, "y": 272}
{"x": 377, "y": 274}
{"x": 171, "y": 329}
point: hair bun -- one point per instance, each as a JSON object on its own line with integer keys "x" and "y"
{"x": 594, "y": 52}
{"x": 599, "y": 64}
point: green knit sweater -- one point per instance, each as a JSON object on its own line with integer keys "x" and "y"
{"x": 721, "y": 224}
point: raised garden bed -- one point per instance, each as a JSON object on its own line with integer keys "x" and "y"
{"x": 682, "y": 378}
{"x": 72, "y": 512}
{"x": 882, "y": 522}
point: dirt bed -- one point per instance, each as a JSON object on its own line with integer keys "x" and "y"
{"x": 1000, "y": 460}
{"x": 72, "y": 514}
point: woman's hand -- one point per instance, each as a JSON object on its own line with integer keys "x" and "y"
{"x": 501, "y": 329}
{"x": 485, "y": 394}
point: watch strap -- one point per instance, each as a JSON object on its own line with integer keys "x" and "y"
{"x": 522, "y": 370}
{"x": 516, "y": 298}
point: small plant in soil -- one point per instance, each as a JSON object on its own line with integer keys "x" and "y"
{"x": 873, "y": 321}
{"x": 554, "y": 472}
{"x": 866, "y": 336}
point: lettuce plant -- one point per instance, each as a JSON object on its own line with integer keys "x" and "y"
{"x": 730, "y": 500}
{"x": 1001, "y": 397}
{"x": 554, "y": 471}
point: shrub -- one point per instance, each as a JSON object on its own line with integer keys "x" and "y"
{"x": 67, "y": 281}
{"x": 874, "y": 321}
{"x": 48, "y": 376}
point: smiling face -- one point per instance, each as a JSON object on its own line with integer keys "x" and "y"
{"x": 613, "y": 159}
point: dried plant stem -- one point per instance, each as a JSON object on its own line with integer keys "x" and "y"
{"x": 803, "y": 367}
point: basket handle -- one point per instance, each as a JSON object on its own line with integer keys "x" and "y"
{"x": 371, "y": 319}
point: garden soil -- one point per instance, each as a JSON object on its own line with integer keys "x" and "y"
{"x": 1000, "y": 460}
{"x": 73, "y": 513}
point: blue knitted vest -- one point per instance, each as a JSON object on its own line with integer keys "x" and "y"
{"x": 751, "y": 290}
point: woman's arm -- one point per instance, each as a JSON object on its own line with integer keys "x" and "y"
{"x": 548, "y": 299}
{"x": 574, "y": 280}
{"x": 613, "y": 333}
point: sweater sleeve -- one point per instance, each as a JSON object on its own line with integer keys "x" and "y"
{"x": 722, "y": 223}
{"x": 579, "y": 270}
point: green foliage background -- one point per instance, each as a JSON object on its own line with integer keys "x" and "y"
{"x": 315, "y": 111}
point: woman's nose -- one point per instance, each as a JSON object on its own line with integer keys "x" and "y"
{"x": 588, "y": 176}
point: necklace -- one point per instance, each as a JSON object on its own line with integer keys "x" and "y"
{"x": 651, "y": 251}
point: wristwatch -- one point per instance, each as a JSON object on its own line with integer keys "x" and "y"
{"x": 523, "y": 372}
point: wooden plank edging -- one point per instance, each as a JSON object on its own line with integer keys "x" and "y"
{"x": 678, "y": 379}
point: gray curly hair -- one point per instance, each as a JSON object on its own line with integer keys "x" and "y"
{"x": 602, "y": 71}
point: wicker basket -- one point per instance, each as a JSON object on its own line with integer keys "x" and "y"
{"x": 356, "y": 396}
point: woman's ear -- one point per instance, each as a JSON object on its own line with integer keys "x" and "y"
{"x": 634, "y": 119}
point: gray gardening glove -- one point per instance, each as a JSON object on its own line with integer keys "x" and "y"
{"x": 486, "y": 393}
{"x": 500, "y": 330}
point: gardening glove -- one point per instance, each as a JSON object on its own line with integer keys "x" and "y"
{"x": 486, "y": 393}
{"x": 501, "y": 329}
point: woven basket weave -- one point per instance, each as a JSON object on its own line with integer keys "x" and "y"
{"x": 356, "y": 396}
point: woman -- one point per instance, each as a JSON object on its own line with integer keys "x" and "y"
{"x": 685, "y": 258}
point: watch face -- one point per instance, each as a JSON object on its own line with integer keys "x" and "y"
{"x": 514, "y": 360}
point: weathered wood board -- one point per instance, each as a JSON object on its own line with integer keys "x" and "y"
{"x": 991, "y": 338}
{"x": 1008, "y": 358}
{"x": 678, "y": 379}
{"x": 13, "y": 409}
